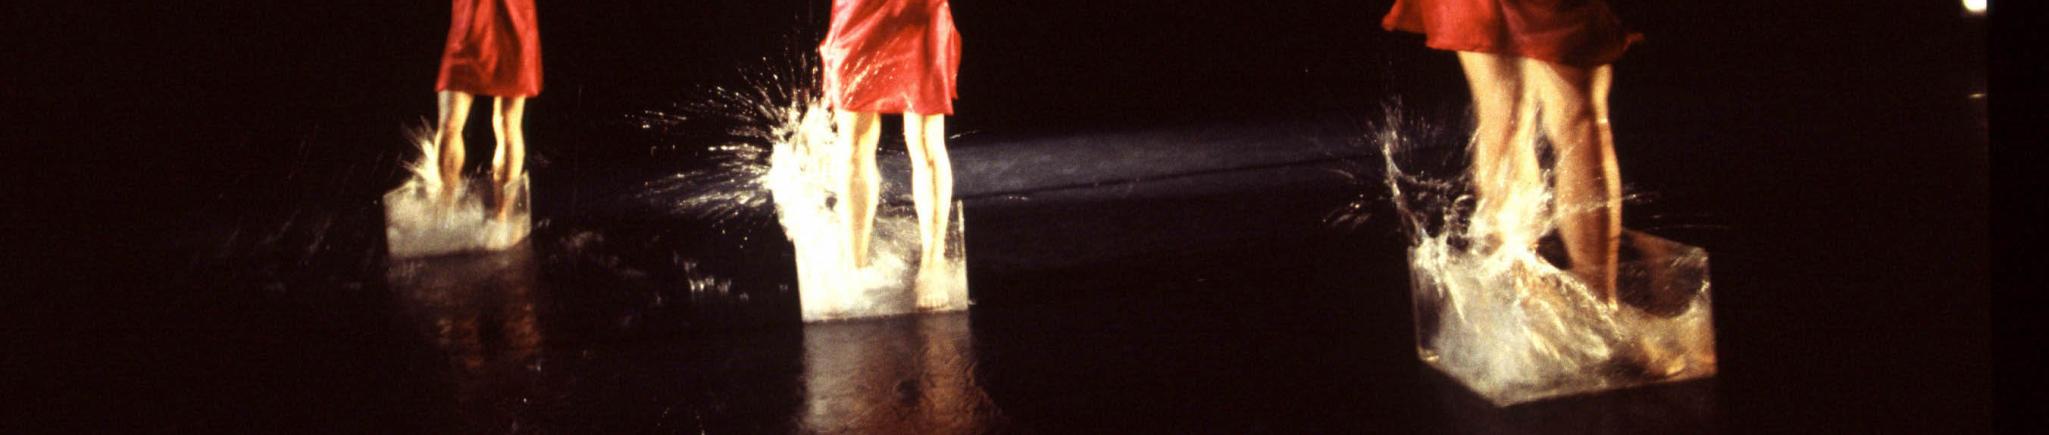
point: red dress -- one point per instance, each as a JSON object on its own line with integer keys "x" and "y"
{"x": 494, "y": 48}
{"x": 1582, "y": 33}
{"x": 891, "y": 56}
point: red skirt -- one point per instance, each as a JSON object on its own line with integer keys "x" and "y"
{"x": 891, "y": 56}
{"x": 1582, "y": 33}
{"x": 494, "y": 48}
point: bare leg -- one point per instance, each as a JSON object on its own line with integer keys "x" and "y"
{"x": 931, "y": 185}
{"x": 455, "y": 113}
{"x": 509, "y": 162}
{"x": 1589, "y": 203}
{"x": 1504, "y": 152}
{"x": 861, "y": 130}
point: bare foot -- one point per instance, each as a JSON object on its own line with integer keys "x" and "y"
{"x": 1663, "y": 363}
{"x": 935, "y": 286}
{"x": 506, "y": 191}
{"x": 504, "y": 207}
{"x": 1533, "y": 287}
{"x": 860, "y": 257}
{"x": 1602, "y": 288}
{"x": 1646, "y": 359}
{"x": 450, "y": 197}
{"x": 1486, "y": 245}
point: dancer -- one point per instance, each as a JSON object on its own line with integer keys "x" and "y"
{"x": 494, "y": 48}
{"x": 1534, "y": 63}
{"x": 890, "y": 57}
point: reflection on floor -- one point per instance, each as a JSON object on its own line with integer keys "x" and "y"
{"x": 1204, "y": 293}
{"x": 910, "y": 374}
{"x": 1686, "y": 407}
{"x": 481, "y": 311}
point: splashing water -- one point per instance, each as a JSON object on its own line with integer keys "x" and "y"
{"x": 1509, "y": 323}
{"x": 785, "y": 152}
{"x": 420, "y": 221}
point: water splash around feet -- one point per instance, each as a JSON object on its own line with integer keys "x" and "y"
{"x": 421, "y": 220}
{"x": 1496, "y": 311}
{"x": 783, "y": 152}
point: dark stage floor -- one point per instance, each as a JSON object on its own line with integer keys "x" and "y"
{"x": 1198, "y": 293}
{"x": 1140, "y": 265}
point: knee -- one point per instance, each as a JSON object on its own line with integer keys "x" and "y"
{"x": 1494, "y": 136}
{"x": 1493, "y": 116}
{"x": 1568, "y": 117}
{"x": 512, "y": 129}
{"x": 930, "y": 164}
{"x": 857, "y": 122}
{"x": 1493, "y": 128}
{"x": 451, "y": 128}
{"x": 1581, "y": 112}
{"x": 1499, "y": 118}
{"x": 508, "y": 120}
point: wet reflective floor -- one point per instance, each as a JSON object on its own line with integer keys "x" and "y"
{"x": 1222, "y": 299}
{"x": 1148, "y": 253}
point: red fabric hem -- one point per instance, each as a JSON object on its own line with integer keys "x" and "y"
{"x": 891, "y": 56}
{"x": 1582, "y": 33}
{"x": 493, "y": 48}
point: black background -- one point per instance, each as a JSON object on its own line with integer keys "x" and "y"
{"x": 1831, "y": 142}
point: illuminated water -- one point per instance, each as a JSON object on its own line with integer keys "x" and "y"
{"x": 1510, "y": 324}
{"x": 785, "y": 154}
{"x": 419, "y": 222}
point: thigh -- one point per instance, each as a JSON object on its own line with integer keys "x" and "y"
{"x": 511, "y": 107}
{"x": 1495, "y": 79}
{"x": 859, "y": 128}
{"x": 1559, "y": 85}
{"x": 455, "y": 104}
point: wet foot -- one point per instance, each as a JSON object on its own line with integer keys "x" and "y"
{"x": 506, "y": 191}
{"x": 1661, "y": 362}
{"x": 934, "y": 286}
{"x": 504, "y": 206}
{"x": 449, "y": 197}
{"x": 1534, "y": 288}
{"x": 1486, "y": 245}
{"x": 1647, "y": 360}
{"x": 1601, "y": 290}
